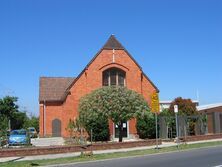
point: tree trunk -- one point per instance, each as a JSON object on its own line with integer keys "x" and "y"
{"x": 120, "y": 126}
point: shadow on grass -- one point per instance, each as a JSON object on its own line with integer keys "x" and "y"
{"x": 34, "y": 164}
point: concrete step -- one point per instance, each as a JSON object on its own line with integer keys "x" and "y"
{"x": 53, "y": 141}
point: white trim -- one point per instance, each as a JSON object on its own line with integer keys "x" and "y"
{"x": 209, "y": 106}
{"x": 113, "y": 55}
{"x": 114, "y": 131}
{"x": 44, "y": 119}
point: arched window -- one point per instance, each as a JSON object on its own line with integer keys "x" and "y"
{"x": 114, "y": 77}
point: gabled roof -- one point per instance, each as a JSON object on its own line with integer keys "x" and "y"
{"x": 113, "y": 43}
{"x": 53, "y": 88}
{"x": 57, "y": 88}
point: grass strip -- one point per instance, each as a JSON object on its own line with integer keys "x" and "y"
{"x": 108, "y": 155}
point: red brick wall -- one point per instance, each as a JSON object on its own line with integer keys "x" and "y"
{"x": 91, "y": 79}
{"x": 203, "y": 137}
{"x": 52, "y": 111}
{"x": 68, "y": 149}
{"x": 210, "y": 123}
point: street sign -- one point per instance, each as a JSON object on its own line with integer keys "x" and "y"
{"x": 176, "y": 108}
{"x": 155, "y": 106}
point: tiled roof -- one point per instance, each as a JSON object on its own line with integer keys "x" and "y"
{"x": 53, "y": 88}
{"x": 113, "y": 43}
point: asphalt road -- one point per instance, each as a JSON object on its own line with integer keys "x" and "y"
{"x": 205, "y": 157}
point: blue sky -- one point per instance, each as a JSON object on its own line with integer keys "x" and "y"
{"x": 177, "y": 43}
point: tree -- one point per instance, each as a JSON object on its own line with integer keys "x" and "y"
{"x": 118, "y": 104}
{"x": 185, "y": 106}
{"x": 8, "y": 106}
{"x": 32, "y": 122}
{"x": 3, "y": 125}
{"x": 9, "y": 110}
{"x": 18, "y": 120}
{"x": 92, "y": 119}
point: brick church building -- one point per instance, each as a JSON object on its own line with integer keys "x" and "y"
{"x": 112, "y": 65}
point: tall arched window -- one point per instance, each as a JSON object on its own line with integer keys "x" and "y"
{"x": 114, "y": 77}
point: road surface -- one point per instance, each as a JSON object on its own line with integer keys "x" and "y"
{"x": 205, "y": 157}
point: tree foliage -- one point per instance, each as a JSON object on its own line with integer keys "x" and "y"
{"x": 3, "y": 125}
{"x": 8, "y": 106}
{"x": 32, "y": 122}
{"x": 18, "y": 120}
{"x": 145, "y": 125}
{"x": 9, "y": 110}
{"x": 185, "y": 106}
{"x": 92, "y": 119}
{"x": 186, "y": 109}
{"x": 118, "y": 104}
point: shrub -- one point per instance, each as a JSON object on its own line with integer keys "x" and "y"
{"x": 100, "y": 128}
{"x": 146, "y": 126}
{"x": 78, "y": 134}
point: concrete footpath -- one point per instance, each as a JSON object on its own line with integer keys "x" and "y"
{"x": 64, "y": 155}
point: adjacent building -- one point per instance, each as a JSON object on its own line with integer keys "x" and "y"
{"x": 214, "y": 117}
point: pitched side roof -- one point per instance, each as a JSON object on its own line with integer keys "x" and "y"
{"x": 53, "y": 88}
{"x": 112, "y": 43}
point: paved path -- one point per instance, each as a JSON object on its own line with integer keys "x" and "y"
{"x": 204, "y": 157}
{"x": 54, "y": 156}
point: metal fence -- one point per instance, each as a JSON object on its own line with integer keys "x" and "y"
{"x": 187, "y": 126}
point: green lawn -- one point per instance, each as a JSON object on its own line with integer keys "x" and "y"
{"x": 107, "y": 156}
